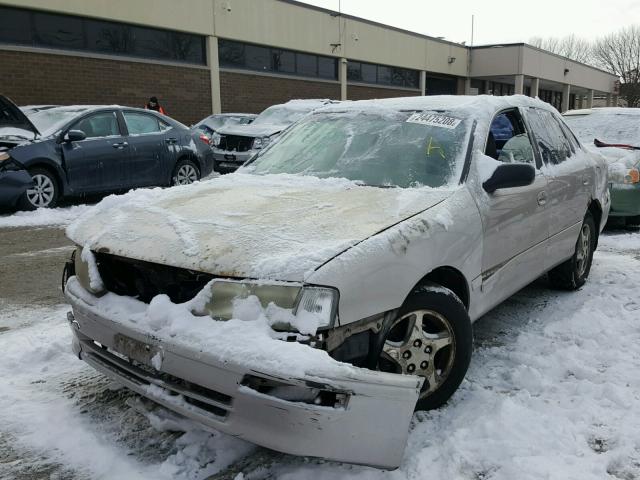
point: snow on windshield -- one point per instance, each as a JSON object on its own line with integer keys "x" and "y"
{"x": 381, "y": 148}
{"x": 606, "y": 126}
{"x": 50, "y": 120}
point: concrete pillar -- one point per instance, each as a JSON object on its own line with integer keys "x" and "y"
{"x": 614, "y": 102}
{"x": 578, "y": 101}
{"x": 214, "y": 72}
{"x": 566, "y": 92}
{"x": 343, "y": 78}
{"x": 535, "y": 87}
{"x": 608, "y": 99}
{"x": 590, "y": 99}
{"x": 519, "y": 87}
{"x": 423, "y": 83}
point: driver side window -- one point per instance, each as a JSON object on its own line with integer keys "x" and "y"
{"x": 103, "y": 124}
{"x": 508, "y": 140}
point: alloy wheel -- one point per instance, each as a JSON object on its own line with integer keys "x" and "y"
{"x": 42, "y": 194}
{"x": 186, "y": 175}
{"x": 583, "y": 250}
{"x": 420, "y": 343}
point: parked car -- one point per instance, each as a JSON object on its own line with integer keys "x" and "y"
{"x": 614, "y": 132}
{"x": 54, "y": 152}
{"x": 210, "y": 125}
{"x": 375, "y": 231}
{"x": 234, "y": 145}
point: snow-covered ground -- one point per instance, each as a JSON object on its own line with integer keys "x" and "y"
{"x": 44, "y": 217}
{"x": 553, "y": 392}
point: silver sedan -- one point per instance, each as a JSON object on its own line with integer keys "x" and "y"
{"x": 369, "y": 238}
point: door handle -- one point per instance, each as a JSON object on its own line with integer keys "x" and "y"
{"x": 120, "y": 145}
{"x": 171, "y": 141}
{"x": 585, "y": 180}
{"x": 542, "y": 198}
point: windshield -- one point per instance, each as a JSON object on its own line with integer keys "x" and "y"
{"x": 53, "y": 119}
{"x": 281, "y": 115}
{"x": 402, "y": 149}
{"x": 606, "y": 127}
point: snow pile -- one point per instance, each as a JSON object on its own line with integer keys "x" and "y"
{"x": 44, "y": 217}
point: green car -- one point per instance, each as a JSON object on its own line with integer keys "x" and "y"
{"x": 615, "y": 133}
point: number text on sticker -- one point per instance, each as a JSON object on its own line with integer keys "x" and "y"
{"x": 434, "y": 120}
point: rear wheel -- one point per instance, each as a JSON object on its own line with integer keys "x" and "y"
{"x": 44, "y": 193}
{"x": 185, "y": 173}
{"x": 573, "y": 273}
{"x": 431, "y": 337}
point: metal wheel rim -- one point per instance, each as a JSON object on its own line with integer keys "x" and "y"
{"x": 430, "y": 355}
{"x": 41, "y": 195}
{"x": 186, "y": 175}
{"x": 583, "y": 249}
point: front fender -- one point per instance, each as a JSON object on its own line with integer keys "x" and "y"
{"x": 377, "y": 274}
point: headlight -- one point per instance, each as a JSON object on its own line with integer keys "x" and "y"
{"x": 261, "y": 142}
{"x": 215, "y": 139}
{"x": 87, "y": 271}
{"x": 296, "y": 305}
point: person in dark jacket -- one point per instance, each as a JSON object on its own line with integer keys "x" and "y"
{"x": 153, "y": 104}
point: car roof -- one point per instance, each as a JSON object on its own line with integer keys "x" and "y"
{"x": 603, "y": 111}
{"x": 480, "y": 106}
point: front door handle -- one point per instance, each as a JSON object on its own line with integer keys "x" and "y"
{"x": 585, "y": 180}
{"x": 120, "y": 145}
{"x": 542, "y": 198}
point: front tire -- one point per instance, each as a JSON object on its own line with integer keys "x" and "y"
{"x": 185, "y": 173}
{"x": 45, "y": 192}
{"x": 573, "y": 273}
{"x": 430, "y": 337}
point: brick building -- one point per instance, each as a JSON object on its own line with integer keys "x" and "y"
{"x": 203, "y": 56}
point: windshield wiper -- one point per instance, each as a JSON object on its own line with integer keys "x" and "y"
{"x": 362, "y": 184}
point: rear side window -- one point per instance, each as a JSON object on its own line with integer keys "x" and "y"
{"x": 103, "y": 124}
{"x": 552, "y": 142}
{"x": 140, "y": 123}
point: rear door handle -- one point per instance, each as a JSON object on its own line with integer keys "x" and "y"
{"x": 171, "y": 141}
{"x": 120, "y": 145}
{"x": 542, "y": 198}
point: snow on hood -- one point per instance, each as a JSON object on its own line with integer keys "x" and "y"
{"x": 271, "y": 227}
{"x": 251, "y": 130}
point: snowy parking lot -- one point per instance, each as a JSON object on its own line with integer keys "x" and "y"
{"x": 553, "y": 390}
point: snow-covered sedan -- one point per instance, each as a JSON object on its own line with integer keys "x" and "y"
{"x": 332, "y": 289}
{"x": 235, "y": 144}
{"x": 614, "y": 132}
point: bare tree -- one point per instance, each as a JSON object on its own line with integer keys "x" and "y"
{"x": 619, "y": 53}
{"x": 570, "y": 46}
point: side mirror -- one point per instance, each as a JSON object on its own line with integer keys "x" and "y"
{"x": 75, "y": 136}
{"x": 509, "y": 175}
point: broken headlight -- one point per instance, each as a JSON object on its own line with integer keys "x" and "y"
{"x": 295, "y": 303}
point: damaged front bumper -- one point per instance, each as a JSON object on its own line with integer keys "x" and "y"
{"x": 361, "y": 418}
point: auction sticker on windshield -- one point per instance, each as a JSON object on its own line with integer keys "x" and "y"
{"x": 434, "y": 120}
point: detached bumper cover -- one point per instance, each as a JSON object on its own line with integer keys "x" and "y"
{"x": 368, "y": 424}
{"x": 13, "y": 184}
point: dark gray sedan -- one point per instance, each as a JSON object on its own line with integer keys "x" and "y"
{"x": 48, "y": 154}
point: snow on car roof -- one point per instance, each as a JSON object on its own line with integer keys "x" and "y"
{"x": 604, "y": 111}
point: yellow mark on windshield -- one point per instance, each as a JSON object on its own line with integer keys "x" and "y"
{"x": 434, "y": 146}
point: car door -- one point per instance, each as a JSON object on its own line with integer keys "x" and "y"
{"x": 567, "y": 194}
{"x": 151, "y": 150}
{"x": 515, "y": 220}
{"x": 88, "y": 162}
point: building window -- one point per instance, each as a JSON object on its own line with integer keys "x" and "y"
{"x": 232, "y": 54}
{"x": 382, "y": 75}
{"x": 69, "y": 32}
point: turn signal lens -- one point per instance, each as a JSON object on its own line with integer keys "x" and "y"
{"x": 204, "y": 138}
{"x": 632, "y": 176}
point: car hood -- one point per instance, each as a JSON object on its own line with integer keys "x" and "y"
{"x": 14, "y": 123}
{"x": 279, "y": 227}
{"x": 252, "y": 130}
